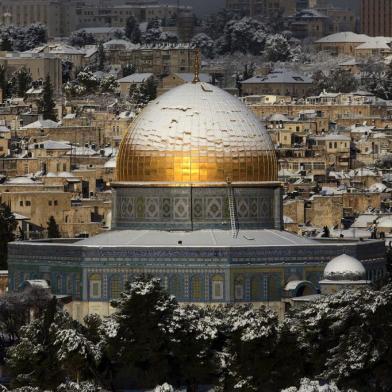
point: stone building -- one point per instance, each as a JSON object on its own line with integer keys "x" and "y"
{"x": 161, "y": 60}
{"x": 65, "y": 16}
{"x": 279, "y": 82}
{"x": 39, "y": 66}
{"x": 267, "y": 8}
{"x": 376, "y": 17}
{"x": 196, "y": 202}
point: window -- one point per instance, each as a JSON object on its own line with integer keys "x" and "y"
{"x": 115, "y": 287}
{"x": 21, "y": 203}
{"x": 217, "y": 287}
{"x": 175, "y": 286}
{"x": 55, "y": 203}
{"x": 69, "y": 284}
{"x": 239, "y": 288}
{"x": 59, "y": 284}
{"x": 50, "y": 202}
{"x": 28, "y": 203}
{"x": 255, "y": 289}
{"x": 196, "y": 288}
{"x": 95, "y": 286}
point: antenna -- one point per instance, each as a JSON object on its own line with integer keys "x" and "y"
{"x": 197, "y": 65}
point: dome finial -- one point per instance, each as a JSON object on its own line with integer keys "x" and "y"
{"x": 197, "y": 65}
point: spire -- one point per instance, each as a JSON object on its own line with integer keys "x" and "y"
{"x": 197, "y": 65}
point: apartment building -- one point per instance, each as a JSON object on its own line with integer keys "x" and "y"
{"x": 376, "y": 17}
{"x": 261, "y": 7}
{"x": 64, "y": 16}
{"x": 38, "y": 64}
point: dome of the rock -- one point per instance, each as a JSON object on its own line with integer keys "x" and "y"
{"x": 196, "y": 133}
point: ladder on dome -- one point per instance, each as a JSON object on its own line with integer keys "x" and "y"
{"x": 232, "y": 210}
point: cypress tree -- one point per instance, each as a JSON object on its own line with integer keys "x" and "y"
{"x": 47, "y": 102}
{"x": 101, "y": 57}
{"x": 7, "y": 227}
{"x": 53, "y": 228}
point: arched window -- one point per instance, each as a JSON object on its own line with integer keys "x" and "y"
{"x": 175, "y": 287}
{"x": 59, "y": 284}
{"x": 95, "y": 284}
{"x": 273, "y": 288}
{"x": 115, "y": 287}
{"x": 217, "y": 285}
{"x": 69, "y": 284}
{"x": 239, "y": 288}
{"x": 196, "y": 287}
{"x": 255, "y": 289}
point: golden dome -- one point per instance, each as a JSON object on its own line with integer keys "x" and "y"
{"x": 196, "y": 133}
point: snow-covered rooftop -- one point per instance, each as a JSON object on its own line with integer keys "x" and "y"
{"x": 136, "y": 78}
{"x": 200, "y": 238}
{"x": 42, "y": 124}
{"x": 281, "y": 76}
{"x": 342, "y": 37}
{"x": 51, "y": 145}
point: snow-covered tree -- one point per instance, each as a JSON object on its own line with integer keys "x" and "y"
{"x": 51, "y": 350}
{"x": 140, "y": 335}
{"x": 215, "y": 23}
{"x": 23, "y": 38}
{"x": 132, "y": 30}
{"x": 246, "y": 36}
{"x": 84, "y": 386}
{"x": 346, "y": 337}
{"x": 81, "y": 38}
{"x": 142, "y": 94}
{"x": 277, "y": 48}
{"x": 313, "y": 386}
{"x": 338, "y": 81}
{"x": 87, "y": 80}
{"x": 108, "y": 84}
{"x": 164, "y": 388}
{"x": 205, "y": 43}
{"x": 21, "y": 81}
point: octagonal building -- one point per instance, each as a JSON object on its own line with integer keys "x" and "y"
{"x": 197, "y": 204}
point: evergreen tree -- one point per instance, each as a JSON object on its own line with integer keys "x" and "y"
{"x": 277, "y": 48}
{"x": 21, "y": 81}
{"x": 52, "y": 350}
{"x": 53, "y": 228}
{"x": 6, "y": 44}
{"x": 101, "y": 57}
{"x": 141, "y": 95}
{"x": 47, "y": 102}
{"x": 81, "y": 38}
{"x": 326, "y": 232}
{"x": 128, "y": 69}
{"x": 4, "y": 85}
{"x": 141, "y": 334}
{"x": 132, "y": 30}
{"x": 34, "y": 361}
{"x": 7, "y": 228}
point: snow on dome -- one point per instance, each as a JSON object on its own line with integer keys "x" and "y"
{"x": 344, "y": 267}
{"x": 196, "y": 132}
